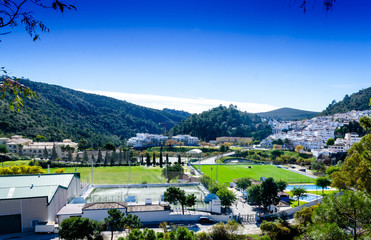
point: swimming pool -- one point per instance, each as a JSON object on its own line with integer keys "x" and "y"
{"x": 308, "y": 187}
{"x": 309, "y": 198}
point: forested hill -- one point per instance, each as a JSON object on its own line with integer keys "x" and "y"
{"x": 61, "y": 113}
{"x": 357, "y": 101}
{"x": 288, "y": 114}
{"x": 223, "y": 121}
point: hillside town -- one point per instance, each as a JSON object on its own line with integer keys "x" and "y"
{"x": 313, "y": 133}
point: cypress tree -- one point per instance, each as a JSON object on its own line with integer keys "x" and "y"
{"x": 148, "y": 160}
{"x": 154, "y": 159}
{"x": 46, "y": 154}
{"x": 160, "y": 159}
{"x": 54, "y": 153}
{"x": 85, "y": 157}
{"x": 100, "y": 158}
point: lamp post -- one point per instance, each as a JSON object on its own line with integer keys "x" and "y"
{"x": 211, "y": 178}
{"x": 217, "y": 169}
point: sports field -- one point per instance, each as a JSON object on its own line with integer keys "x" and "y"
{"x": 228, "y": 172}
{"x": 120, "y": 175}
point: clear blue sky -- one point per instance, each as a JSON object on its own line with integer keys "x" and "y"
{"x": 245, "y": 51}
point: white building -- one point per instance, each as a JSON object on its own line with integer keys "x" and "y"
{"x": 25, "y": 146}
{"x": 147, "y": 140}
{"x": 188, "y": 140}
{"x": 27, "y": 200}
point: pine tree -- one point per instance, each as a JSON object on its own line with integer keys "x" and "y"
{"x": 142, "y": 160}
{"x": 179, "y": 159}
{"x": 167, "y": 158}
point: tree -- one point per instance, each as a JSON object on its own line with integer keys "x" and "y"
{"x": 54, "y": 153}
{"x": 227, "y": 197}
{"x": 148, "y": 160}
{"x": 275, "y": 230}
{"x": 167, "y": 158}
{"x": 299, "y": 192}
{"x": 100, "y": 157}
{"x": 131, "y": 222}
{"x": 161, "y": 160}
{"x": 243, "y": 183}
{"x": 355, "y": 172}
{"x": 179, "y": 159}
{"x": 330, "y": 142}
{"x": 299, "y": 148}
{"x": 45, "y": 153}
{"x": 82, "y": 144}
{"x": 78, "y": 228}
{"x": 69, "y": 156}
{"x": 154, "y": 159}
{"x": 172, "y": 172}
{"x": 40, "y": 138}
{"x": 269, "y": 192}
{"x": 254, "y": 196}
{"x": 110, "y": 147}
{"x": 322, "y": 182}
{"x": 3, "y": 148}
{"x": 281, "y": 184}
{"x": 183, "y": 233}
{"x": 113, "y": 221}
{"x": 175, "y": 195}
{"x": 351, "y": 212}
{"x": 85, "y": 157}
{"x": 106, "y": 158}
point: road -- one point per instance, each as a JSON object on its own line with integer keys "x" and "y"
{"x": 211, "y": 160}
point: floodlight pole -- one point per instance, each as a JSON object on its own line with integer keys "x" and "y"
{"x": 129, "y": 168}
{"x": 92, "y": 174}
{"x": 217, "y": 169}
{"x": 211, "y": 178}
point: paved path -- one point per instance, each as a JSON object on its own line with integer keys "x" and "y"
{"x": 211, "y": 160}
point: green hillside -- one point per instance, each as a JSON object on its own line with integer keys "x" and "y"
{"x": 223, "y": 121}
{"x": 61, "y": 113}
{"x": 288, "y": 114}
{"x": 357, "y": 101}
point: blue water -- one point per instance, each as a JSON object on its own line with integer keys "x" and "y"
{"x": 309, "y": 198}
{"x": 310, "y": 187}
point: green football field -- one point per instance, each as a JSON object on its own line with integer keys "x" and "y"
{"x": 120, "y": 175}
{"x": 228, "y": 172}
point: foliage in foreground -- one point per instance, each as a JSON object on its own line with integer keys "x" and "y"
{"x": 22, "y": 169}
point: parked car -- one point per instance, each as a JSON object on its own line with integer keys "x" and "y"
{"x": 302, "y": 170}
{"x": 205, "y": 220}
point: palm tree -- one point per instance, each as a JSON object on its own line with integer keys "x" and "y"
{"x": 299, "y": 192}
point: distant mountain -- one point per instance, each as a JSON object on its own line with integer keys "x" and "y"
{"x": 357, "y": 101}
{"x": 287, "y": 114}
{"x": 183, "y": 114}
{"x": 61, "y": 113}
{"x": 223, "y": 121}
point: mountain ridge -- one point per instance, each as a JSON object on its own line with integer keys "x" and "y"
{"x": 288, "y": 114}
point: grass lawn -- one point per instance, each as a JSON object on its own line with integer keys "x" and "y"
{"x": 119, "y": 175}
{"x": 228, "y": 172}
{"x": 11, "y": 163}
{"x": 295, "y": 203}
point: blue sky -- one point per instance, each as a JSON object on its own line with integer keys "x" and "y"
{"x": 192, "y": 55}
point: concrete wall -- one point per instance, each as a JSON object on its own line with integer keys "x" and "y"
{"x": 98, "y": 214}
{"x": 166, "y": 216}
{"x": 30, "y": 209}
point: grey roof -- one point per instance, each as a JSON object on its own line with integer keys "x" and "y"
{"x": 71, "y": 209}
{"x": 104, "y": 205}
{"x": 32, "y": 186}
